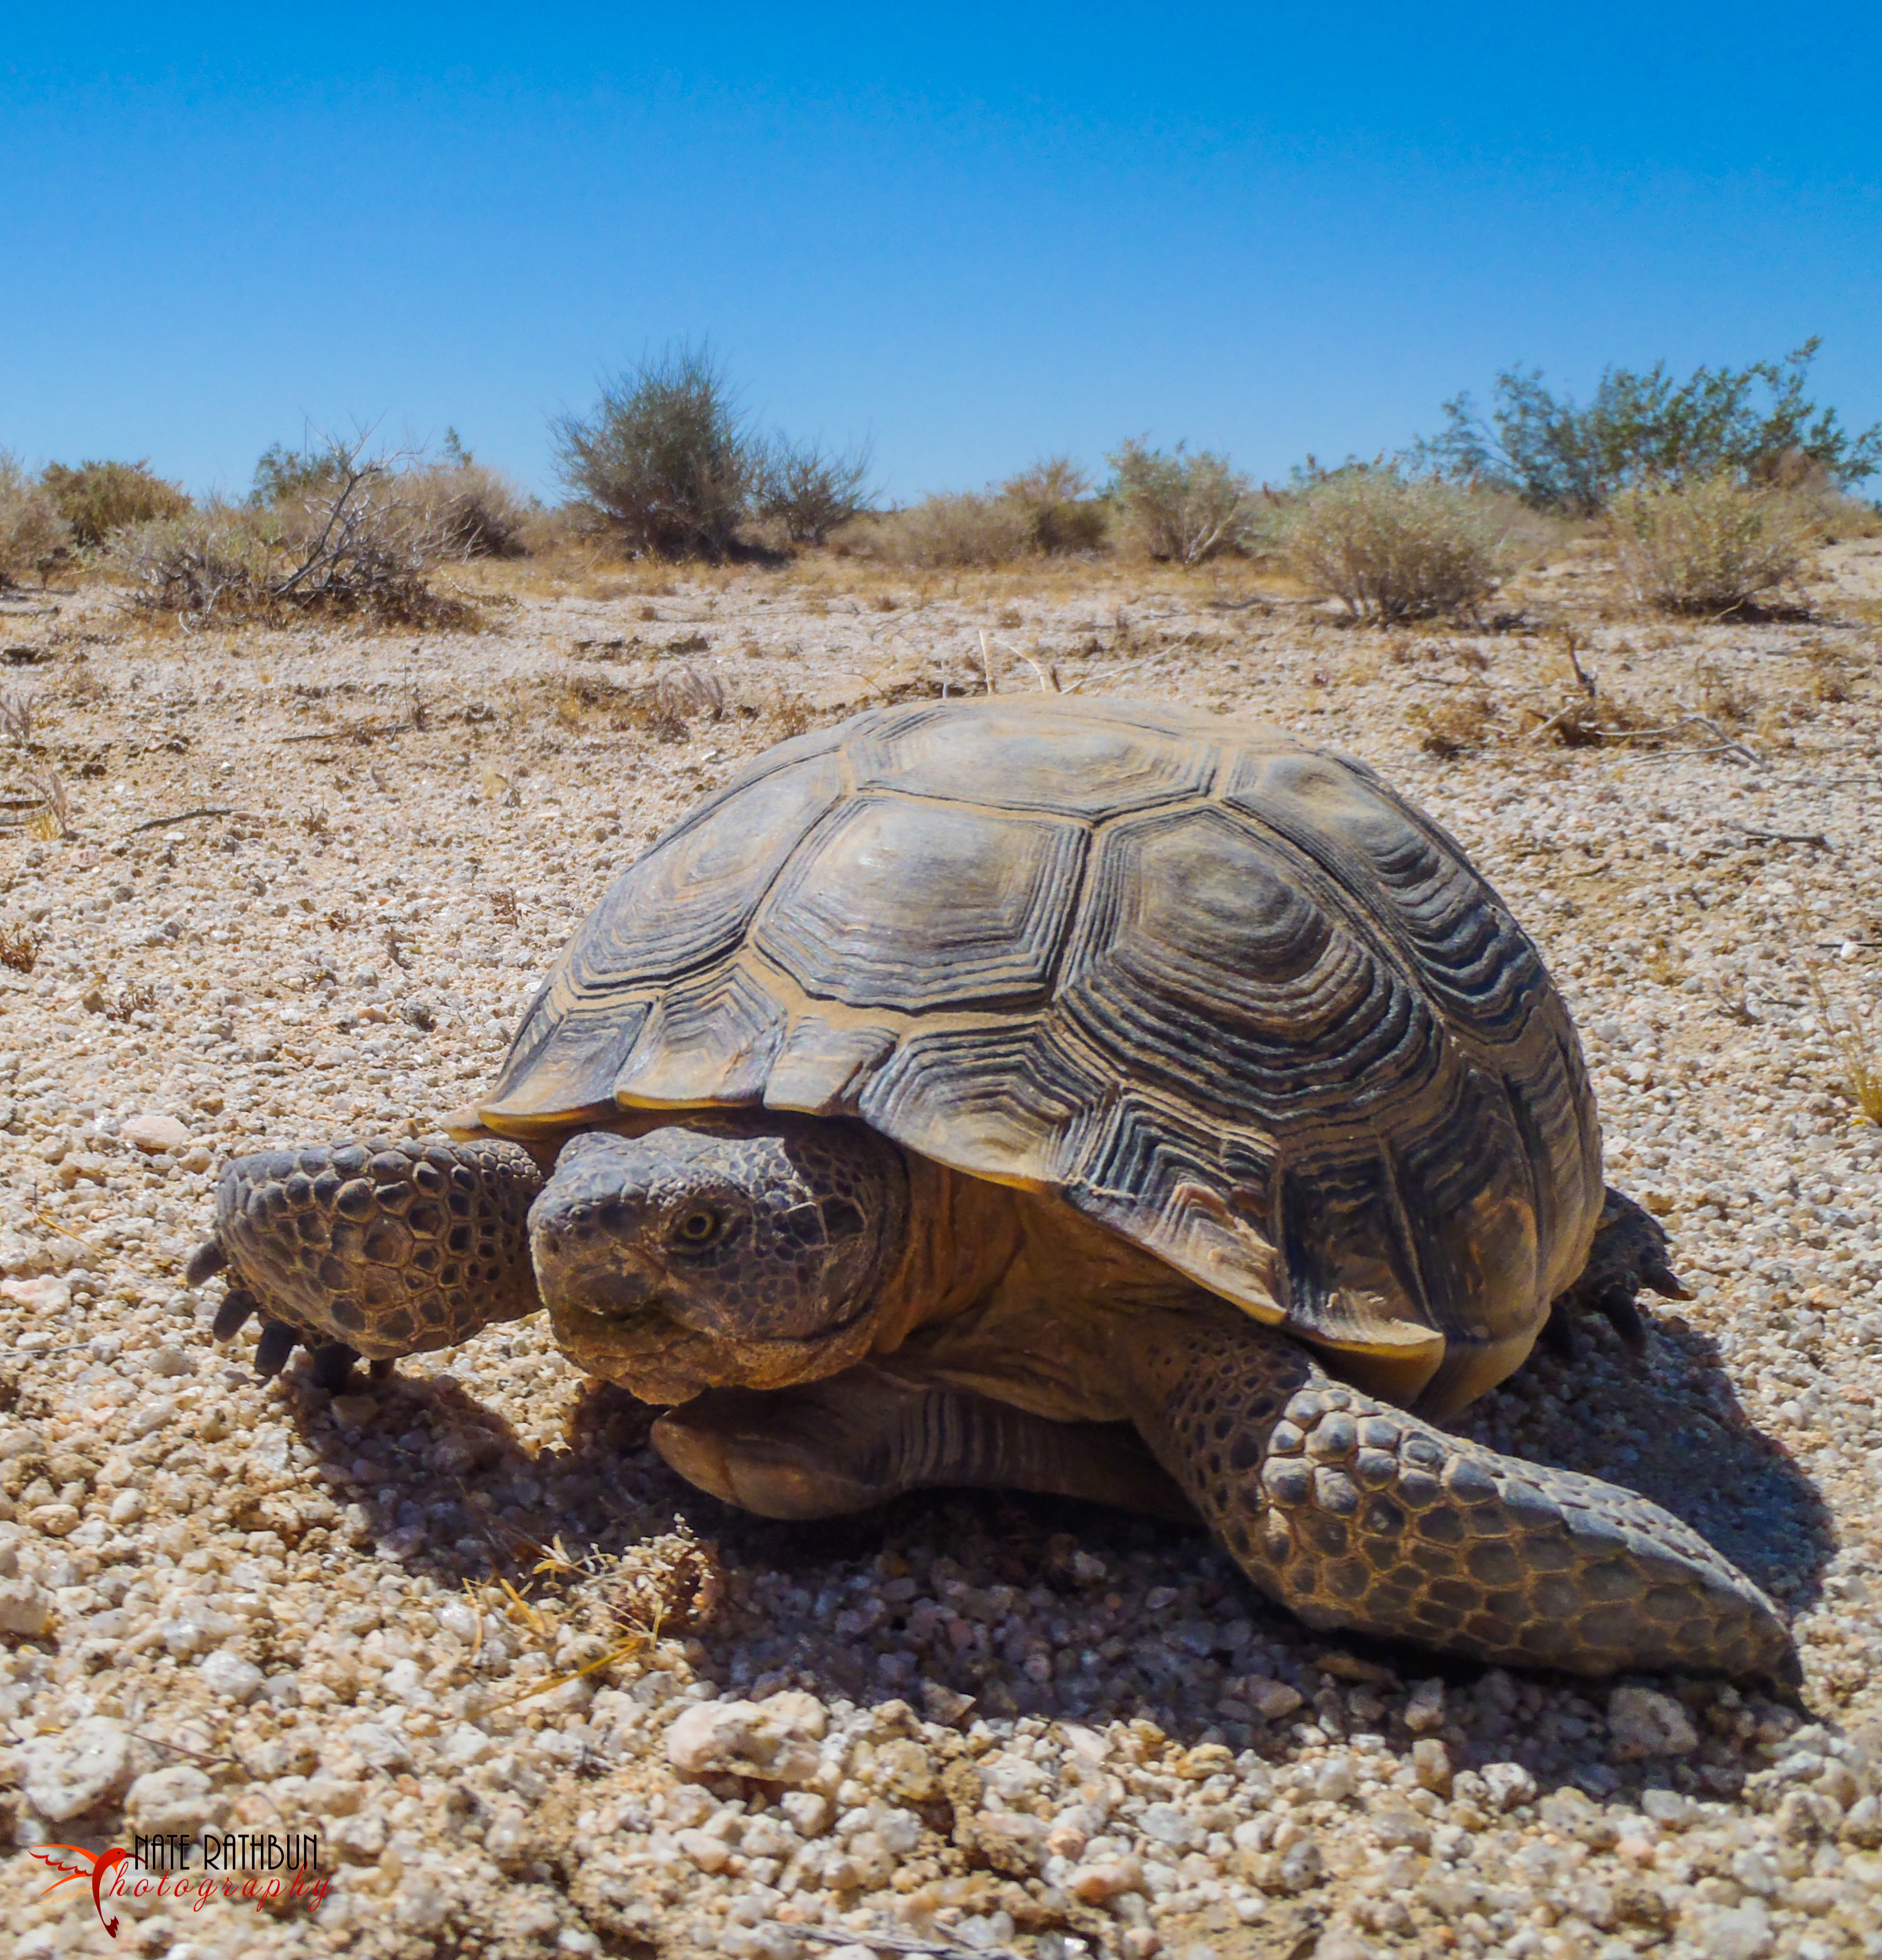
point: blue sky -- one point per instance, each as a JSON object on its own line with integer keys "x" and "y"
{"x": 974, "y": 235}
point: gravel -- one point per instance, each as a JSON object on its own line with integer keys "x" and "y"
{"x": 537, "y": 1696}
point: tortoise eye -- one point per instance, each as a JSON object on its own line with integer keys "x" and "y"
{"x": 699, "y": 1228}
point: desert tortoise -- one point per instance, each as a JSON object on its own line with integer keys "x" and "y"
{"x": 977, "y": 1093}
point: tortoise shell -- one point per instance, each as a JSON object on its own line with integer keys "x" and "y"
{"x": 1228, "y": 995}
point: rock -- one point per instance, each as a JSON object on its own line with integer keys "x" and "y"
{"x": 1424, "y": 1709}
{"x": 180, "y": 1800}
{"x": 776, "y": 1738}
{"x": 1168, "y": 1825}
{"x": 1299, "y": 1867}
{"x": 1731, "y": 1932}
{"x": 1270, "y": 1700}
{"x": 155, "y": 1132}
{"x": 1510, "y": 1785}
{"x": 49, "y": 1293}
{"x": 65, "y": 1774}
{"x": 708, "y": 1853}
{"x": 229, "y": 1676}
{"x": 1642, "y": 1723}
{"x": 384, "y": 1748}
{"x": 1430, "y": 1764}
{"x": 25, "y": 1608}
{"x": 1104, "y": 1879}
{"x": 1010, "y": 1841}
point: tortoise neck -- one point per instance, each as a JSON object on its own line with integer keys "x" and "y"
{"x": 963, "y": 1235}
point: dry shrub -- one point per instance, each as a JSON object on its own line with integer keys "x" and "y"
{"x": 1392, "y": 547}
{"x": 1054, "y": 495}
{"x": 20, "y": 947}
{"x": 1455, "y": 726}
{"x": 953, "y": 529}
{"x": 31, "y": 532}
{"x": 345, "y": 540}
{"x": 98, "y": 498}
{"x": 468, "y": 509}
{"x": 1181, "y": 508}
{"x": 809, "y": 491}
{"x": 1709, "y": 547}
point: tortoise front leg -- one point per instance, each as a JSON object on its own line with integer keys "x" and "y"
{"x": 855, "y": 1440}
{"x": 379, "y": 1247}
{"x": 1353, "y": 1513}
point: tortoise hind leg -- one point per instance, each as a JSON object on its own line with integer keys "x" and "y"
{"x": 856, "y": 1440}
{"x": 381, "y": 1248}
{"x": 1629, "y": 1251}
{"x": 1353, "y": 1513}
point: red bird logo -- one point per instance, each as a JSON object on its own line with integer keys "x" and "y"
{"x": 97, "y": 1866}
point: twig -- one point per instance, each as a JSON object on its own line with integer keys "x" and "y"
{"x": 184, "y": 816}
{"x": 986, "y": 660}
{"x": 1711, "y": 727}
{"x": 895, "y": 1942}
{"x": 1816, "y": 837}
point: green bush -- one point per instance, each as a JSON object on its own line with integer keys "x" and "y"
{"x": 31, "y": 532}
{"x": 1394, "y": 547}
{"x": 666, "y": 456}
{"x": 1179, "y": 508}
{"x": 98, "y": 498}
{"x": 1709, "y": 547}
{"x": 1751, "y": 423}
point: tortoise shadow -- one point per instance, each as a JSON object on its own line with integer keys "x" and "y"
{"x": 1670, "y": 1425}
{"x": 959, "y": 1607}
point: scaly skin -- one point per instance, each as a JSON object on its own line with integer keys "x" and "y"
{"x": 1352, "y": 1513}
{"x": 382, "y": 1248}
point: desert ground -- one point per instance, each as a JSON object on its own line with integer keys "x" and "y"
{"x": 313, "y": 872}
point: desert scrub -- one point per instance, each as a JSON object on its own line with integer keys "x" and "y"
{"x": 1178, "y": 508}
{"x": 31, "y": 532}
{"x": 467, "y": 509}
{"x": 346, "y": 541}
{"x": 98, "y": 498}
{"x": 1053, "y": 496}
{"x": 1394, "y": 547}
{"x": 666, "y": 457}
{"x": 1708, "y": 547}
{"x": 953, "y": 529}
{"x": 809, "y": 491}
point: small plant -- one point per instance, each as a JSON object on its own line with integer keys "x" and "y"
{"x": 504, "y": 908}
{"x": 53, "y": 817}
{"x": 810, "y": 491}
{"x": 1453, "y": 726}
{"x": 98, "y": 498}
{"x": 1393, "y": 547}
{"x": 666, "y": 457}
{"x": 20, "y": 947}
{"x": 33, "y": 534}
{"x": 1862, "y": 1063}
{"x": 1710, "y": 547}
{"x": 1181, "y": 508}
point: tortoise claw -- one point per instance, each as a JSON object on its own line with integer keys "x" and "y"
{"x": 205, "y": 1263}
{"x": 1615, "y": 1305}
{"x": 332, "y": 1365}
{"x": 1656, "y": 1273}
{"x": 277, "y": 1342}
{"x": 232, "y": 1315}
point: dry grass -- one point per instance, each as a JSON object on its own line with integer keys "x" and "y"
{"x": 1458, "y": 725}
{"x": 20, "y": 947}
{"x": 1862, "y": 1061}
{"x": 1711, "y": 548}
{"x": 98, "y": 498}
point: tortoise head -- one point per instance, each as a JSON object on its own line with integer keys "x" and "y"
{"x": 723, "y": 1251}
